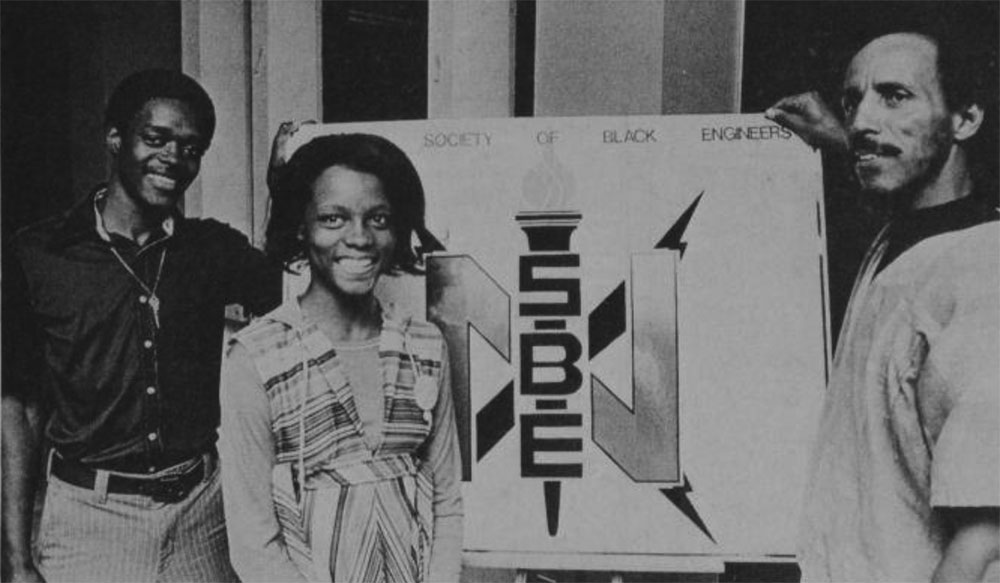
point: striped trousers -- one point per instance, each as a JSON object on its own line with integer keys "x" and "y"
{"x": 88, "y": 535}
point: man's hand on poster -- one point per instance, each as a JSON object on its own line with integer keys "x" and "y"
{"x": 279, "y": 150}
{"x": 811, "y": 119}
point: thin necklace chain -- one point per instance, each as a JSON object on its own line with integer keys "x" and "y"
{"x": 153, "y": 299}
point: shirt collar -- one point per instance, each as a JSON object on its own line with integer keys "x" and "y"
{"x": 951, "y": 216}
{"x": 167, "y": 225}
{"x": 912, "y": 227}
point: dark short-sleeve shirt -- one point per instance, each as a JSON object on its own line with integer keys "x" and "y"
{"x": 79, "y": 333}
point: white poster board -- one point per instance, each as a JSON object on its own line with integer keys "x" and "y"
{"x": 639, "y": 386}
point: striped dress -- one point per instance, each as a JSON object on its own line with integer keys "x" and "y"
{"x": 345, "y": 512}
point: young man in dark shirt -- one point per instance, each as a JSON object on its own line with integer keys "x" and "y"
{"x": 904, "y": 484}
{"x": 113, "y": 317}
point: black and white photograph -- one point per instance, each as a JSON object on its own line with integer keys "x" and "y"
{"x": 500, "y": 291}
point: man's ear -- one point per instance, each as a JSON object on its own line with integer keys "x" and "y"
{"x": 113, "y": 141}
{"x": 966, "y": 121}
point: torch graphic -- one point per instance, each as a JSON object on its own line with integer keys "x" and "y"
{"x": 549, "y": 308}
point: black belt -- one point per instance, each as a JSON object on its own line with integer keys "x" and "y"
{"x": 172, "y": 488}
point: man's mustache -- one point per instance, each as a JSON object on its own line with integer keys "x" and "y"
{"x": 863, "y": 144}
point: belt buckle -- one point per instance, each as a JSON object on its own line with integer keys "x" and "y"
{"x": 168, "y": 489}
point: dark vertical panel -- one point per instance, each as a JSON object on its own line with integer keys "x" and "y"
{"x": 374, "y": 60}
{"x": 36, "y": 179}
{"x": 524, "y": 58}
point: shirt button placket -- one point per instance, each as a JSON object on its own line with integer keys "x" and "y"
{"x": 152, "y": 437}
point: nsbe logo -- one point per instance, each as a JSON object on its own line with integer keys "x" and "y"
{"x": 641, "y": 439}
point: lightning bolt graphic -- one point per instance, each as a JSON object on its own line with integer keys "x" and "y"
{"x": 673, "y": 238}
{"x": 679, "y": 497}
{"x": 428, "y": 243}
{"x": 607, "y": 320}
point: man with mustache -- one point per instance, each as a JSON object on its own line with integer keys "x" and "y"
{"x": 113, "y": 322}
{"x": 904, "y": 484}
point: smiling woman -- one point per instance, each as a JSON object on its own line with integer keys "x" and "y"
{"x": 348, "y": 232}
{"x": 374, "y": 161}
{"x": 338, "y": 441}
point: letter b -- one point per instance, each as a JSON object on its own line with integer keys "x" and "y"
{"x": 572, "y": 378}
